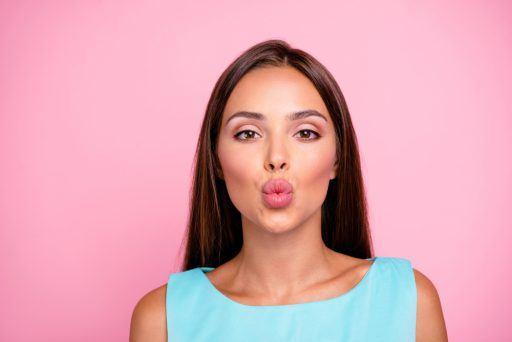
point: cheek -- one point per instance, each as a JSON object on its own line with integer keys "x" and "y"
{"x": 316, "y": 166}
{"x": 316, "y": 161}
{"x": 240, "y": 171}
{"x": 314, "y": 174}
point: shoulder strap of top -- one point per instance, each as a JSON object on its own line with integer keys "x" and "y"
{"x": 399, "y": 272}
{"x": 182, "y": 297}
{"x": 395, "y": 287}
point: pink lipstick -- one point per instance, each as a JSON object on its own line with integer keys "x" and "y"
{"x": 277, "y": 193}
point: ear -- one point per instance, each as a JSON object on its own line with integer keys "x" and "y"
{"x": 218, "y": 171}
{"x": 334, "y": 171}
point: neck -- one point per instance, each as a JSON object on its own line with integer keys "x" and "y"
{"x": 283, "y": 263}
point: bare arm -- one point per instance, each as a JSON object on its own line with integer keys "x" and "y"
{"x": 430, "y": 324}
{"x": 149, "y": 322}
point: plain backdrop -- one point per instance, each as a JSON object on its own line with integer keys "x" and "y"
{"x": 100, "y": 108}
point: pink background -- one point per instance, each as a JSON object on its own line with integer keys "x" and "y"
{"x": 100, "y": 108}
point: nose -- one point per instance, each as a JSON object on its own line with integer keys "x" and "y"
{"x": 271, "y": 166}
{"x": 277, "y": 157}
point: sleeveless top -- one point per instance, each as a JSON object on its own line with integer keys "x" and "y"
{"x": 381, "y": 307}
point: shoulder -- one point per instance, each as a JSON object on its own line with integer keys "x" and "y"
{"x": 148, "y": 322}
{"x": 430, "y": 325}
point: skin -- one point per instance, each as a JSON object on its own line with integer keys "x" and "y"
{"x": 298, "y": 266}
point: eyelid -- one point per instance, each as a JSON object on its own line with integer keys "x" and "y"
{"x": 309, "y": 126}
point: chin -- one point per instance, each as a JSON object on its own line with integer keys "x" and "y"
{"x": 278, "y": 226}
{"x": 277, "y": 231}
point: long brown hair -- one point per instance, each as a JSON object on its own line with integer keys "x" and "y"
{"x": 214, "y": 231}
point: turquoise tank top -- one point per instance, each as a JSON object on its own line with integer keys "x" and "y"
{"x": 381, "y": 307}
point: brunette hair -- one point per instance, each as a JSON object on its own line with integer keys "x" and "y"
{"x": 214, "y": 230}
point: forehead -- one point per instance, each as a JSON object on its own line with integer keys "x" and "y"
{"x": 274, "y": 91}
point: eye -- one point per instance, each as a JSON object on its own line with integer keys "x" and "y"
{"x": 249, "y": 134}
{"x": 309, "y": 134}
{"x": 245, "y": 132}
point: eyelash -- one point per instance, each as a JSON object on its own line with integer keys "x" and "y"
{"x": 302, "y": 130}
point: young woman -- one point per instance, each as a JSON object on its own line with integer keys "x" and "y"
{"x": 278, "y": 244}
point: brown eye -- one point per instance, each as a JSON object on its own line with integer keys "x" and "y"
{"x": 308, "y": 134}
{"x": 246, "y": 133}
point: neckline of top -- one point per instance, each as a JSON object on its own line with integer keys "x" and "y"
{"x": 202, "y": 270}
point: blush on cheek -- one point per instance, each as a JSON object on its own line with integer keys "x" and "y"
{"x": 317, "y": 178}
{"x": 240, "y": 174}
{"x": 314, "y": 179}
{"x": 313, "y": 191}
{"x": 318, "y": 165}
{"x": 239, "y": 166}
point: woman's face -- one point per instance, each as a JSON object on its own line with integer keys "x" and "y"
{"x": 253, "y": 150}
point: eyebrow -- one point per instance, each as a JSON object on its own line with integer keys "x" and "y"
{"x": 291, "y": 117}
